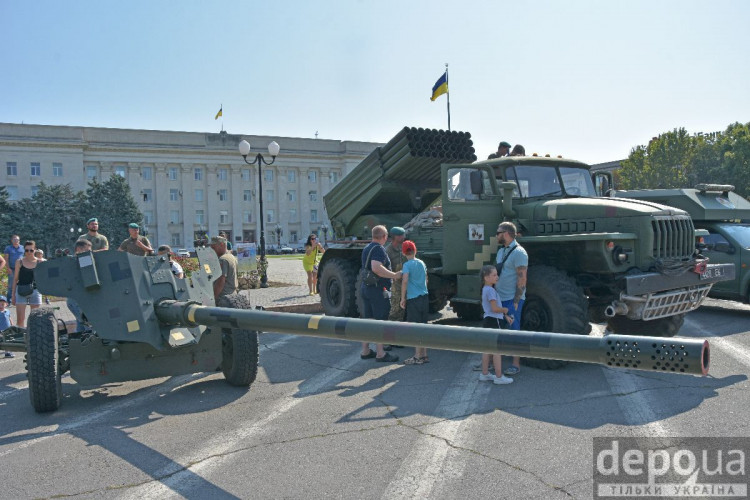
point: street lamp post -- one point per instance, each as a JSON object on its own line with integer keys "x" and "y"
{"x": 324, "y": 228}
{"x": 273, "y": 150}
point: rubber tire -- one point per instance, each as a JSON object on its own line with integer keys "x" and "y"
{"x": 43, "y": 361}
{"x": 554, "y": 303}
{"x": 336, "y": 285}
{"x": 662, "y": 327}
{"x": 467, "y": 312}
{"x": 239, "y": 352}
{"x": 437, "y": 303}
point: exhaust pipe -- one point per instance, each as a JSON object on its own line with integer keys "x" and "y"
{"x": 616, "y": 308}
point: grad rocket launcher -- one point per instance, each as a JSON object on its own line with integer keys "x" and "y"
{"x": 145, "y": 323}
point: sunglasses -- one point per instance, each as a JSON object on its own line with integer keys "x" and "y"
{"x": 28, "y": 250}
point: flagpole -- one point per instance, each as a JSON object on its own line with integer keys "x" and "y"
{"x": 222, "y": 116}
{"x": 448, "y": 93}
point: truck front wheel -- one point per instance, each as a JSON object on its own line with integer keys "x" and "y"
{"x": 554, "y": 303}
{"x": 336, "y": 286}
{"x": 662, "y": 327}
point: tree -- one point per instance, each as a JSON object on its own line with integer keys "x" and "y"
{"x": 664, "y": 163}
{"x": 112, "y": 203}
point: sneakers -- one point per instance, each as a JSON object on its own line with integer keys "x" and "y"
{"x": 478, "y": 367}
{"x": 512, "y": 370}
{"x": 9, "y": 354}
{"x": 502, "y": 380}
{"x": 388, "y": 358}
{"x": 486, "y": 378}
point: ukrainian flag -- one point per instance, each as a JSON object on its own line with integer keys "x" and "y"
{"x": 441, "y": 87}
{"x": 220, "y": 113}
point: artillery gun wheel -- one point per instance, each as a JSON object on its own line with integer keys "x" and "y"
{"x": 437, "y": 303}
{"x": 467, "y": 312}
{"x": 554, "y": 303}
{"x": 43, "y": 361}
{"x": 337, "y": 288}
{"x": 662, "y": 327}
{"x": 239, "y": 360}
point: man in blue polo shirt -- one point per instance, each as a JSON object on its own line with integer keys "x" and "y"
{"x": 13, "y": 252}
{"x": 512, "y": 263}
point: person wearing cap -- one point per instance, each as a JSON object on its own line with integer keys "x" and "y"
{"x": 502, "y": 150}
{"x": 226, "y": 283}
{"x": 136, "y": 244}
{"x": 176, "y": 268}
{"x": 414, "y": 297}
{"x": 5, "y": 321}
{"x": 98, "y": 241}
{"x": 398, "y": 235}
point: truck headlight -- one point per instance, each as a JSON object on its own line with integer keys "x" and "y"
{"x": 619, "y": 255}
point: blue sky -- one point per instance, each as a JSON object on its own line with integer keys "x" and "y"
{"x": 585, "y": 79}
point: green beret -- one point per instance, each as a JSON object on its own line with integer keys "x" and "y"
{"x": 93, "y": 219}
{"x": 397, "y": 231}
{"x": 504, "y": 145}
{"x": 133, "y": 225}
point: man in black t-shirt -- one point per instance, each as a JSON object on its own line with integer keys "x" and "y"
{"x": 376, "y": 298}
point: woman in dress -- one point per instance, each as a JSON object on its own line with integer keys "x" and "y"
{"x": 310, "y": 261}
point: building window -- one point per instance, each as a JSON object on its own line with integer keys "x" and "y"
{"x": 293, "y": 215}
{"x": 12, "y": 193}
{"x": 91, "y": 172}
{"x": 333, "y": 177}
{"x": 247, "y": 217}
{"x": 198, "y": 195}
{"x": 120, "y": 171}
{"x": 222, "y": 174}
{"x": 291, "y": 176}
{"x": 198, "y": 174}
{"x": 313, "y": 216}
{"x": 246, "y": 174}
{"x": 312, "y": 176}
{"x": 12, "y": 168}
{"x": 148, "y": 217}
{"x": 223, "y": 217}
{"x": 293, "y": 236}
{"x": 173, "y": 194}
{"x": 199, "y": 217}
{"x": 146, "y": 173}
{"x": 247, "y": 195}
{"x": 176, "y": 241}
{"x": 36, "y": 170}
{"x": 248, "y": 235}
{"x": 292, "y": 195}
{"x": 34, "y": 190}
{"x": 174, "y": 216}
{"x": 147, "y": 196}
{"x": 269, "y": 216}
{"x": 222, "y": 195}
{"x": 172, "y": 173}
{"x": 57, "y": 170}
{"x": 269, "y": 175}
{"x": 313, "y": 196}
{"x": 269, "y": 195}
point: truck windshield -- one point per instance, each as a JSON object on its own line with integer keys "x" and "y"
{"x": 533, "y": 181}
{"x": 740, "y": 232}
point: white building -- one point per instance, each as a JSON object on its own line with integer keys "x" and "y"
{"x": 186, "y": 183}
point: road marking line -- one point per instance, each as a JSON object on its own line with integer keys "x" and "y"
{"x": 424, "y": 467}
{"x": 727, "y": 346}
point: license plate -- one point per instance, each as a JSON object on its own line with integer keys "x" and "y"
{"x": 712, "y": 272}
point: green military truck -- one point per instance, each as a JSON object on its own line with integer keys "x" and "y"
{"x": 725, "y": 215}
{"x": 630, "y": 262}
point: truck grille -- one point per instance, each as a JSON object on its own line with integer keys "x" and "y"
{"x": 674, "y": 236}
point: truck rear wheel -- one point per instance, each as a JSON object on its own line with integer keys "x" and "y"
{"x": 437, "y": 303}
{"x": 554, "y": 303}
{"x": 43, "y": 361}
{"x": 662, "y": 327}
{"x": 466, "y": 311}
{"x": 336, "y": 285}
{"x": 239, "y": 348}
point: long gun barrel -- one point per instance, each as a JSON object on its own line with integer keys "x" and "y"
{"x": 678, "y": 355}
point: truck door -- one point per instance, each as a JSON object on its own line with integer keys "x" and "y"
{"x": 722, "y": 249}
{"x": 471, "y": 213}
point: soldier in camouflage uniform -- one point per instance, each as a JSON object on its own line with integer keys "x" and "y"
{"x": 398, "y": 234}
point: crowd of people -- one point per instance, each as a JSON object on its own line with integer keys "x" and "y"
{"x": 393, "y": 287}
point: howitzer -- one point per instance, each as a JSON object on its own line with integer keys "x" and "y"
{"x": 145, "y": 323}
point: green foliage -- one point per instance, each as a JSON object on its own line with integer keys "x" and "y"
{"x": 677, "y": 160}
{"x": 48, "y": 216}
{"x": 112, "y": 203}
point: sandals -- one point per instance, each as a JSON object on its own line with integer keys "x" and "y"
{"x": 413, "y": 361}
{"x": 425, "y": 359}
